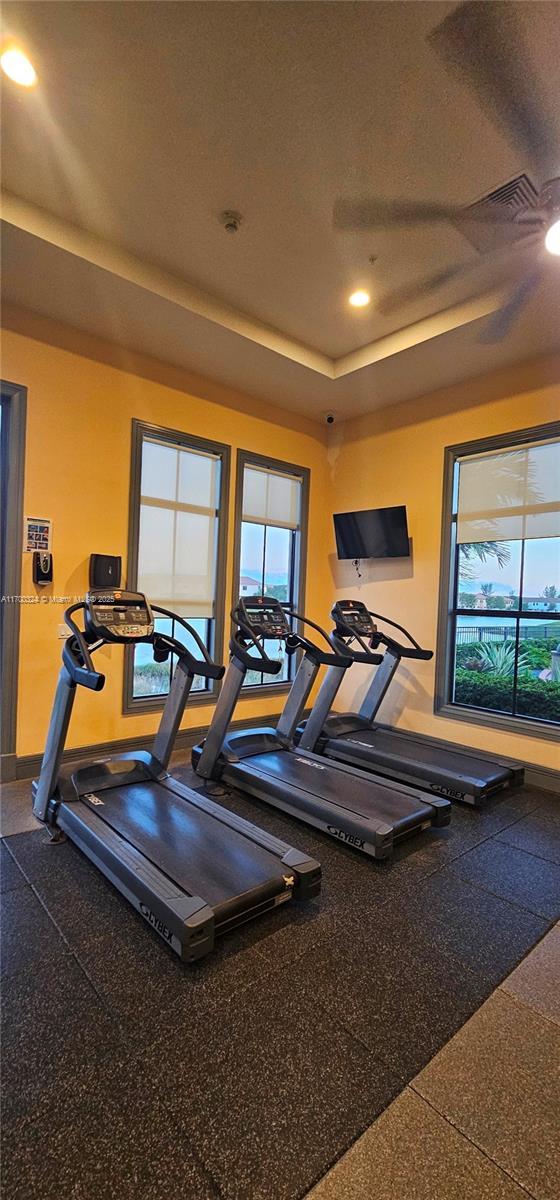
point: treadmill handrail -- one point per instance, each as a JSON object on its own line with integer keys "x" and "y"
{"x": 270, "y": 666}
{"x": 334, "y": 658}
{"x": 371, "y": 657}
{"x": 76, "y": 647}
{"x": 415, "y": 650}
{"x": 207, "y": 668}
{"x": 84, "y": 673}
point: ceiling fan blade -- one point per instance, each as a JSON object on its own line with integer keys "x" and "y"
{"x": 482, "y": 42}
{"x": 424, "y": 287}
{"x": 504, "y": 271}
{"x": 365, "y": 212}
{"x": 500, "y": 323}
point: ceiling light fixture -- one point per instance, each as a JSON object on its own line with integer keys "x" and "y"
{"x": 552, "y": 239}
{"x": 16, "y": 65}
{"x": 359, "y": 299}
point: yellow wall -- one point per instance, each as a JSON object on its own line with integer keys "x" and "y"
{"x": 79, "y": 413}
{"x": 395, "y": 456}
{"x": 82, "y": 396}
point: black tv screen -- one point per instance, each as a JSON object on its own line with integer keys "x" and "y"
{"x": 372, "y": 533}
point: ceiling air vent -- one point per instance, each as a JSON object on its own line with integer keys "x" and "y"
{"x": 513, "y": 196}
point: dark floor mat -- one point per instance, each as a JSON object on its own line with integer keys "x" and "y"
{"x": 248, "y": 1075}
{"x": 28, "y": 934}
{"x": 269, "y": 1089}
{"x": 10, "y": 875}
{"x": 532, "y": 883}
{"x": 114, "y": 1141}
{"x": 55, "y": 1034}
{"x": 538, "y": 833}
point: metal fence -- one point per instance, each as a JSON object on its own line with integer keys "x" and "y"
{"x": 502, "y": 633}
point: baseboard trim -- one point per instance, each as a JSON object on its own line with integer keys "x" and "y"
{"x": 543, "y": 777}
{"x": 8, "y": 768}
{"x": 29, "y": 765}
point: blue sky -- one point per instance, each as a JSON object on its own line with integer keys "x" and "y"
{"x": 542, "y": 568}
{"x": 276, "y": 550}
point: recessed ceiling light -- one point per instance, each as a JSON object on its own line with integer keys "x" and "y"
{"x": 552, "y": 239}
{"x": 359, "y": 299}
{"x": 16, "y": 65}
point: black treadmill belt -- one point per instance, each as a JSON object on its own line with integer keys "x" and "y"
{"x": 203, "y": 856}
{"x": 361, "y": 797}
{"x": 392, "y": 749}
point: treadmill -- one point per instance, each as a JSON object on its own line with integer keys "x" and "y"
{"x": 460, "y": 774}
{"x": 191, "y": 869}
{"x": 347, "y": 803}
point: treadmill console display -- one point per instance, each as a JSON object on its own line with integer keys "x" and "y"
{"x": 118, "y": 616}
{"x": 265, "y": 616}
{"x": 352, "y": 615}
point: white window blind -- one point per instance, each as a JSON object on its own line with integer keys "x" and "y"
{"x": 178, "y": 528}
{"x": 510, "y": 494}
{"x": 271, "y": 498}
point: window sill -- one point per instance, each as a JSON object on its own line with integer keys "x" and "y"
{"x": 149, "y": 704}
{"x": 265, "y": 689}
{"x": 155, "y": 704}
{"x": 546, "y": 730}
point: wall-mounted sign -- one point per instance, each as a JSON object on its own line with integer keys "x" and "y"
{"x": 37, "y": 534}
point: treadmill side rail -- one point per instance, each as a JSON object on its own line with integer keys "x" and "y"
{"x": 185, "y": 923}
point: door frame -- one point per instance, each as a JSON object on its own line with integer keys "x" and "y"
{"x": 12, "y": 484}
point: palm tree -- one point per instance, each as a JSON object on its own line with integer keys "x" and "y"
{"x": 487, "y": 589}
{"x": 470, "y": 552}
{"x": 513, "y": 470}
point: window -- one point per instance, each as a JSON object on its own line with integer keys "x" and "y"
{"x": 500, "y": 628}
{"x": 177, "y": 547}
{"x": 272, "y": 502}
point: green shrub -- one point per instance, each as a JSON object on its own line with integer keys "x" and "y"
{"x": 537, "y": 651}
{"x": 535, "y": 698}
{"x": 483, "y": 690}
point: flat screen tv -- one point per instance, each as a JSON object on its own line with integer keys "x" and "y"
{"x": 372, "y": 533}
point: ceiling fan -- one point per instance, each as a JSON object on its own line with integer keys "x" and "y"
{"x": 480, "y": 42}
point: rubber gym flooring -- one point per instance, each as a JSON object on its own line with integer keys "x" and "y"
{"x": 126, "y": 1074}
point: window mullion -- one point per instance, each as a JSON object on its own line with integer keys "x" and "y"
{"x": 263, "y": 576}
{"x": 263, "y": 572}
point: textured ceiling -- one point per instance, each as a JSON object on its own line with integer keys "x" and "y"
{"x": 150, "y": 119}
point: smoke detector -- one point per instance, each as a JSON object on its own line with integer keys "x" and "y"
{"x": 231, "y": 221}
